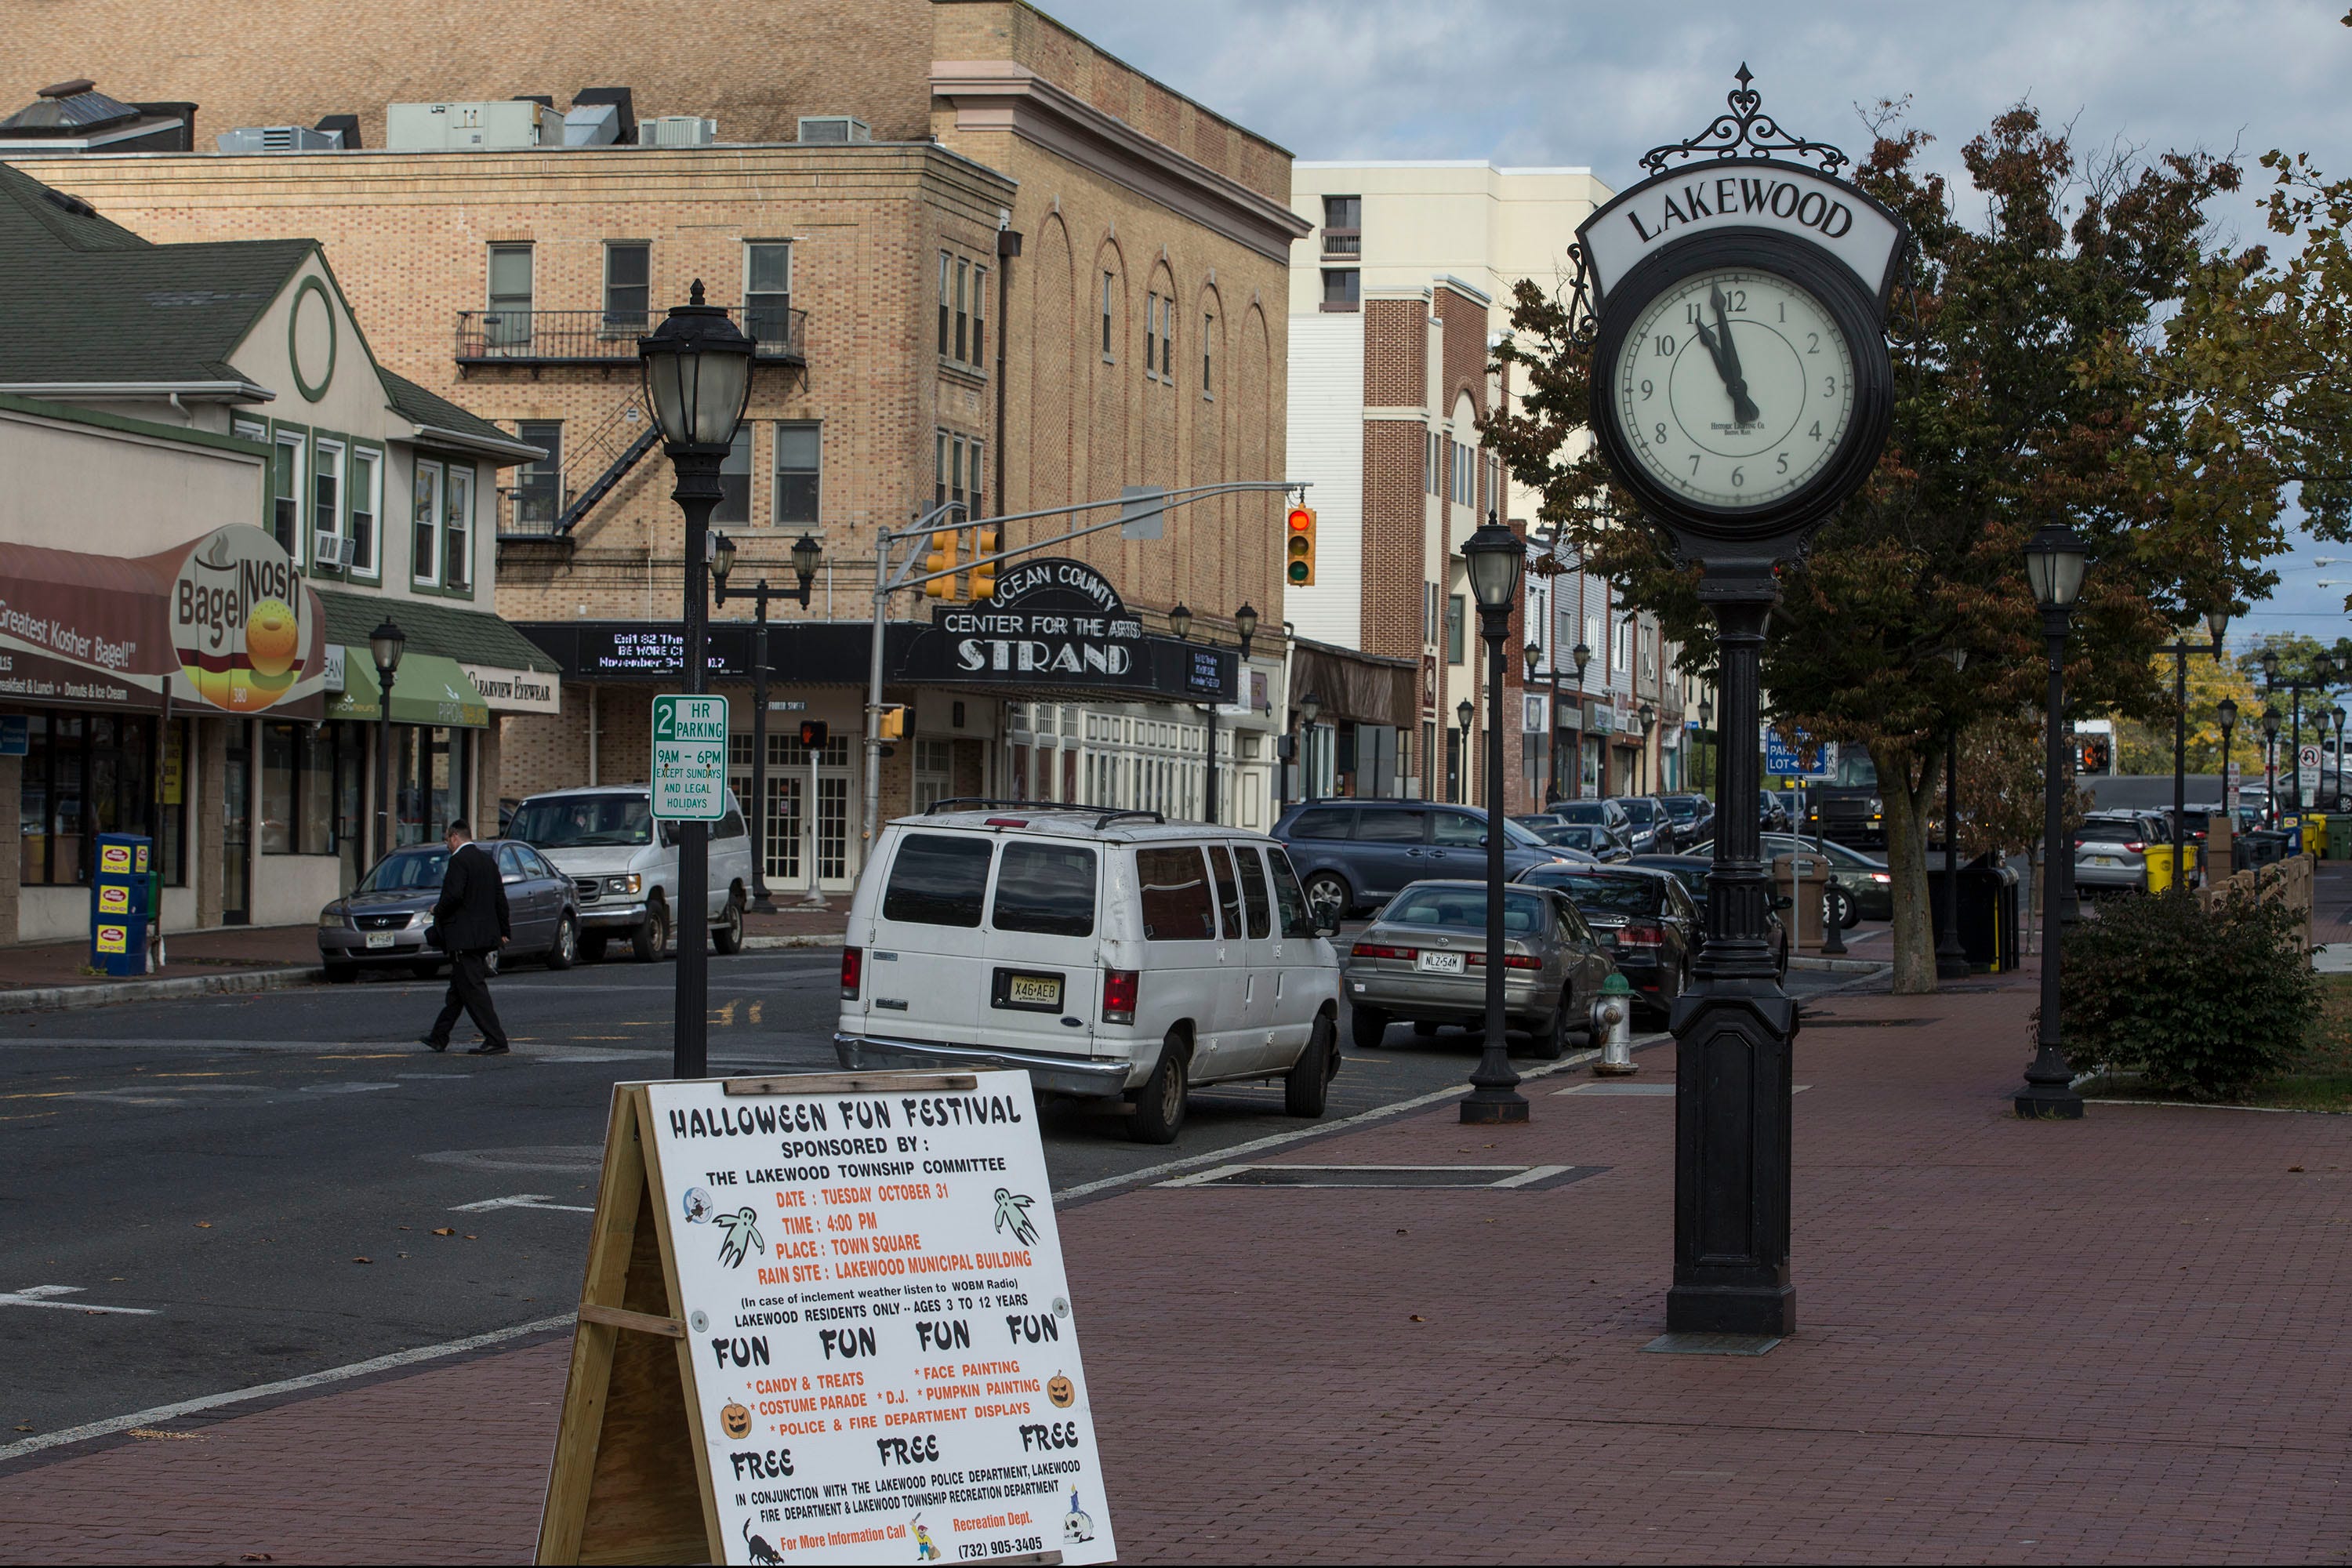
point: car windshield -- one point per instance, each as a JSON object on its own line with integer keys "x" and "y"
{"x": 1855, "y": 770}
{"x": 1682, "y": 808}
{"x": 1584, "y": 811}
{"x": 582, "y": 821}
{"x": 1641, "y": 811}
{"x": 408, "y": 870}
{"x": 1597, "y": 892}
{"x": 1463, "y": 909}
{"x": 1513, "y": 833}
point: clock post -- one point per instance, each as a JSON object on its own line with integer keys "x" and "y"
{"x": 1741, "y": 392}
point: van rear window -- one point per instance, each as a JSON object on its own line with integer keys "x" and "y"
{"x": 1045, "y": 889}
{"x": 937, "y": 881}
{"x": 1175, "y": 886}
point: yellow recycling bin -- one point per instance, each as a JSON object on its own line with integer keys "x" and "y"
{"x": 2314, "y": 833}
{"x": 2160, "y": 867}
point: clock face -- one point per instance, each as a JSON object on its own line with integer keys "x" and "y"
{"x": 1733, "y": 388}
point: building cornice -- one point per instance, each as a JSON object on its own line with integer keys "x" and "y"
{"x": 999, "y": 96}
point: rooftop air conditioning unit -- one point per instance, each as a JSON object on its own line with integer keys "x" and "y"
{"x": 834, "y": 128}
{"x": 592, "y": 125}
{"x": 279, "y": 139}
{"x": 332, "y": 550}
{"x": 471, "y": 127}
{"x": 677, "y": 131}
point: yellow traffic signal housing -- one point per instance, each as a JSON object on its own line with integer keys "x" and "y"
{"x": 986, "y": 541}
{"x": 942, "y": 558}
{"x": 1298, "y": 563}
{"x": 894, "y": 724}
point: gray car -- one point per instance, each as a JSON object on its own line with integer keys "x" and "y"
{"x": 1423, "y": 961}
{"x": 2111, "y": 850}
{"x": 381, "y": 922}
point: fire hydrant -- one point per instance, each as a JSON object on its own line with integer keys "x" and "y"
{"x": 1613, "y": 1026}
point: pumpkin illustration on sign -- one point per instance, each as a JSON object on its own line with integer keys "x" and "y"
{"x": 734, "y": 1420}
{"x": 1059, "y": 1389}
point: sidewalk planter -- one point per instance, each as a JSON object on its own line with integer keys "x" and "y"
{"x": 1987, "y": 912}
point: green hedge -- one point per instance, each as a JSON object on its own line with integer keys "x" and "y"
{"x": 2198, "y": 1004}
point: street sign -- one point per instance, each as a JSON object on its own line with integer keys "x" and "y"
{"x": 2306, "y": 757}
{"x": 690, "y": 758}
{"x": 1805, "y": 758}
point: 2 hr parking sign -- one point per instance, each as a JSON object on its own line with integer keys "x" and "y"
{"x": 689, "y": 771}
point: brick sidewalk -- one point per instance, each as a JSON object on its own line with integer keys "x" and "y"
{"x": 2114, "y": 1340}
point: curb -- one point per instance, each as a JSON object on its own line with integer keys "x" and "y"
{"x": 1838, "y": 965}
{"x": 48, "y": 998}
{"x": 769, "y": 943}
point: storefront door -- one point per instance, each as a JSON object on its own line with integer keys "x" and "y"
{"x": 236, "y": 827}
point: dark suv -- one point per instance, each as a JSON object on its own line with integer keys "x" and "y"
{"x": 1356, "y": 854}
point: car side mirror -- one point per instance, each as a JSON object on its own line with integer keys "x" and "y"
{"x": 1327, "y": 922}
{"x": 511, "y": 877}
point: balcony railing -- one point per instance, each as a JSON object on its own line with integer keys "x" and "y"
{"x": 608, "y": 337}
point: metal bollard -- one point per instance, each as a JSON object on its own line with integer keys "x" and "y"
{"x": 1613, "y": 1026}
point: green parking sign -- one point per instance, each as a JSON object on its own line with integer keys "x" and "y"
{"x": 690, "y": 775}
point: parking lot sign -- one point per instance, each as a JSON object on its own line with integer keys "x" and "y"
{"x": 690, "y": 758}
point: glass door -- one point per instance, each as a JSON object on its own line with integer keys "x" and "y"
{"x": 236, "y": 827}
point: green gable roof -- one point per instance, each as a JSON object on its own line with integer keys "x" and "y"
{"x": 413, "y": 402}
{"x": 31, "y": 213}
{"x": 469, "y": 637}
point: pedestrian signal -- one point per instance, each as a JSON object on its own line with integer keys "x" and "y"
{"x": 2095, "y": 756}
{"x": 986, "y": 541}
{"x": 942, "y": 558}
{"x": 813, "y": 735}
{"x": 1299, "y": 571}
{"x": 894, "y": 724}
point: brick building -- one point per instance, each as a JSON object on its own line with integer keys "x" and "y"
{"x": 1043, "y": 278}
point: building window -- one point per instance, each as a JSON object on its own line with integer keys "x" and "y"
{"x": 1109, "y": 280}
{"x": 735, "y": 480}
{"x": 947, "y": 299}
{"x": 424, "y": 553}
{"x": 962, "y": 310}
{"x": 1168, "y": 342}
{"x": 1455, "y": 629}
{"x": 508, "y": 325}
{"x": 327, "y": 503}
{"x": 1464, "y": 488}
{"x": 285, "y": 491}
{"x": 1433, "y": 463}
{"x": 539, "y": 486}
{"x": 1429, "y": 614}
{"x": 367, "y": 507}
{"x": 1152, "y": 337}
{"x": 979, "y": 317}
{"x": 959, "y": 472}
{"x": 84, "y": 775}
{"x": 768, "y": 292}
{"x": 458, "y": 531}
{"x": 1343, "y": 225}
{"x": 798, "y": 454}
{"x": 298, "y": 788}
{"x": 628, "y": 275}
{"x": 1208, "y": 336}
{"x": 1342, "y": 288}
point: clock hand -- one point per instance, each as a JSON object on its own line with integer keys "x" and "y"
{"x": 1743, "y": 407}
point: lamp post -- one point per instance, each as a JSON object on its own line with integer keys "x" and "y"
{"x": 1535, "y": 658}
{"x": 806, "y": 553}
{"x": 1310, "y": 708}
{"x": 2054, "y": 565}
{"x": 1951, "y": 959}
{"x": 1180, "y": 621}
{"x": 1464, "y": 711}
{"x": 1706, "y": 728}
{"x": 2324, "y": 672}
{"x": 2339, "y": 758}
{"x": 384, "y": 646}
{"x": 698, "y": 370}
{"x": 1496, "y": 558}
{"x": 2270, "y": 765}
{"x": 1648, "y": 715}
{"x": 1583, "y": 657}
{"x": 2226, "y": 713}
{"x": 2217, "y": 622}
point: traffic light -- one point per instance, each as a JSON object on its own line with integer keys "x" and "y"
{"x": 2093, "y": 755}
{"x": 1299, "y": 553}
{"x": 942, "y": 558}
{"x": 986, "y": 541}
{"x": 894, "y": 724}
{"x": 813, "y": 735}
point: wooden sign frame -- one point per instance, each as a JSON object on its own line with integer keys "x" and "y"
{"x": 631, "y": 1480}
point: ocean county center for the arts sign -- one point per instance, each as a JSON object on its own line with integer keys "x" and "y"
{"x": 1052, "y": 619}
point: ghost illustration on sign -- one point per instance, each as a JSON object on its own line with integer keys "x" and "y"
{"x": 739, "y": 1235}
{"x": 1012, "y": 1213}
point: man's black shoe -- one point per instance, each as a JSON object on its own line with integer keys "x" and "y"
{"x": 487, "y": 1049}
{"x": 431, "y": 1044}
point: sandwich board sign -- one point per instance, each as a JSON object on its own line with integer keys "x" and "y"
{"x": 825, "y": 1321}
{"x": 690, "y": 758}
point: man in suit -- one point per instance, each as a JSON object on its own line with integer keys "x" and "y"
{"x": 471, "y": 922}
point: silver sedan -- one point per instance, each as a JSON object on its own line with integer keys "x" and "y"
{"x": 1423, "y": 959}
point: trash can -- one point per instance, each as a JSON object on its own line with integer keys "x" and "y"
{"x": 2160, "y": 867}
{"x": 2264, "y": 846}
{"x": 2340, "y": 838}
{"x": 1988, "y": 912}
{"x": 120, "y": 904}
{"x": 2314, "y": 830}
{"x": 1811, "y": 874}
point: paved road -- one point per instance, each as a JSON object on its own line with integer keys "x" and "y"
{"x": 210, "y": 1193}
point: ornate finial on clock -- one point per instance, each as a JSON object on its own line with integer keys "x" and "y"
{"x": 1746, "y": 130}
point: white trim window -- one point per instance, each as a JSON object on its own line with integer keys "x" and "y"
{"x": 767, "y": 290}
{"x": 285, "y": 464}
{"x": 425, "y": 549}
{"x": 366, "y": 491}
{"x": 799, "y": 460}
{"x": 458, "y": 528}
{"x": 327, "y": 502}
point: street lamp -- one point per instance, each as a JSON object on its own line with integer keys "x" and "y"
{"x": 384, "y": 646}
{"x": 1951, "y": 959}
{"x": 1583, "y": 657}
{"x": 1310, "y": 708}
{"x": 1648, "y": 718}
{"x": 2054, "y": 559}
{"x": 1180, "y": 621}
{"x": 1496, "y": 558}
{"x": 698, "y": 370}
{"x": 1464, "y": 711}
{"x": 1706, "y": 728}
{"x": 2217, "y": 623}
{"x": 806, "y": 553}
{"x": 2270, "y": 764}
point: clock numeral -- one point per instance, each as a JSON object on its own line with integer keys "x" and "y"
{"x": 1665, "y": 348}
{"x": 1690, "y": 313}
{"x": 1784, "y": 309}
{"x": 1738, "y": 301}
{"x": 1739, "y": 479}
{"x": 1784, "y": 463}
{"x": 1817, "y": 429}
{"x": 1812, "y": 343}
{"x": 1662, "y": 434}
{"x": 1648, "y": 388}
{"x": 1694, "y": 464}
{"x": 1828, "y": 386}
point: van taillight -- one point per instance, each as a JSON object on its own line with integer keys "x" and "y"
{"x": 1119, "y": 986}
{"x": 852, "y": 970}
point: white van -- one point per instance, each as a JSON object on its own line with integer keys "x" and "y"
{"x": 624, "y": 865}
{"x": 1111, "y": 954}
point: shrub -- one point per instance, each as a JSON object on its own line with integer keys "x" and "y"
{"x": 2198, "y": 1004}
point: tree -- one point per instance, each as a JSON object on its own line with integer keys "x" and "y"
{"x": 2029, "y": 390}
{"x": 2146, "y": 748}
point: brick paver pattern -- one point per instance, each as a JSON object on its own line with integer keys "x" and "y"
{"x": 2119, "y": 1340}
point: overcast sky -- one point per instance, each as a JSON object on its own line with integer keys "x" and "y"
{"x": 1520, "y": 81}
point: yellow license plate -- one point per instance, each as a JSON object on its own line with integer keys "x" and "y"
{"x": 1037, "y": 990}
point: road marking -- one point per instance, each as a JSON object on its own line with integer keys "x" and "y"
{"x": 755, "y": 1011}
{"x": 343, "y": 1087}
{"x": 572, "y": 1158}
{"x": 40, "y": 1295}
{"x": 522, "y": 1201}
{"x": 162, "y": 1413}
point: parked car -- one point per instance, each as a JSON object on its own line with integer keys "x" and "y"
{"x": 623, "y": 866}
{"x": 1610, "y": 813}
{"x": 1650, "y": 826}
{"x": 1110, "y": 954}
{"x": 1423, "y": 961}
{"x": 1691, "y": 870}
{"x": 1603, "y": 844}
{"x": 1355, "y": 854}
{"x": 2111, "y": 850}
{"x": 1777, "y": 810}
{"x": 1862, "y": 886}
{"x": 1644, "y": 918}
{"x": 1693, "y": 816}
{"x": 382, "y": 921}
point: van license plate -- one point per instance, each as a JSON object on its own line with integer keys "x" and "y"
{"x": 1441, "y": 963}
{"x": 379, "y": 938}
{"x": 1034, "y": 990}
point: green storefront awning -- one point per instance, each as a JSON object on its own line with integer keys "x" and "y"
{"x": 427, "y": 690}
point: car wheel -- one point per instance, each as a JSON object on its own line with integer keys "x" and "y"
{"x": 728, "y": 935}
{"x": 1369, "y": 1025}
{"x": 1550, "y": 1042}
{"x": 341, "y": 973}
{"x": 591, "y": 946}
{"x": 567, "y": 943}
{"x": 1160, "y": 1104}
{"x": 1328, "y": 889}
{"x": 1306, "y": 1088}
{"x": 651, "y": 940}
